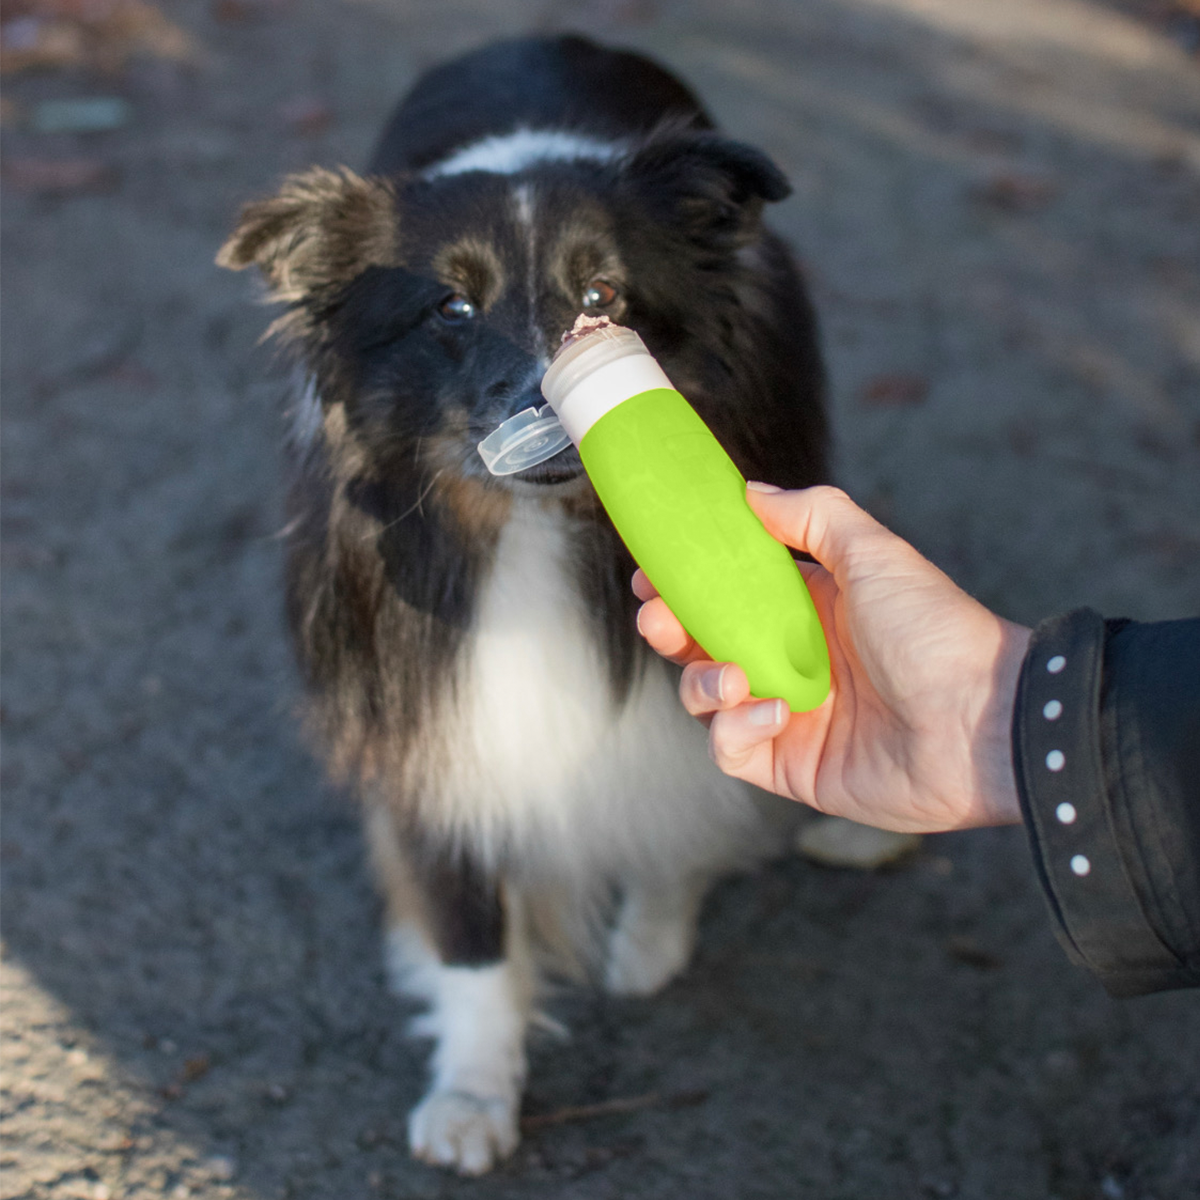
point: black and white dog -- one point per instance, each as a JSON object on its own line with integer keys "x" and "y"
{"x": 532, "y": 786}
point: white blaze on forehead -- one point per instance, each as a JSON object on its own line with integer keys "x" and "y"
{"x": 523, "y": 206}
{"x": 512, "y": 152}
{"x": 522, "y": 196}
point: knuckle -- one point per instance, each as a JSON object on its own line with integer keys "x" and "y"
{"x": 830, "y": 494}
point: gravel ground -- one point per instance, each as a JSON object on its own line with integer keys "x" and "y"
{"x": 998, "y": 203}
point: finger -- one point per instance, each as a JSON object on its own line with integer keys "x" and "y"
{"x": 708, "y": 687}
{"x": 643, "y": 589}
{"x": 821, "y": 521}
{"x": 661, "y": 628}
{"x": 739, "y": 739}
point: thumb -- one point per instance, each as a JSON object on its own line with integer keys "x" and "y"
{"x": 821, "y": 521}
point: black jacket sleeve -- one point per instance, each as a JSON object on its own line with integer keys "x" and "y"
{"x": 1106, "y": 747}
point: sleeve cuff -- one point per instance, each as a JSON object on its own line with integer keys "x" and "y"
{"x": 1068, "y": 812}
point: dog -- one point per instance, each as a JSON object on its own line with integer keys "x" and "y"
{"x": 533, "y": 791}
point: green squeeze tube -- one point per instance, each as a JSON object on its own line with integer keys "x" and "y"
{"x": 679, "y": 503}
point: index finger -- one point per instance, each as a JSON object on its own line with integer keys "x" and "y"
{"x": 661, "y": 628}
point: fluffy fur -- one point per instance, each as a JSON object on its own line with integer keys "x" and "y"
{"x": 468, "y": 643}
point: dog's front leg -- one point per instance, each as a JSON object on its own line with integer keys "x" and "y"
{"x": 455, "y": 942}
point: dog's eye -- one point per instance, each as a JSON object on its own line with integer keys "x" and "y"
{"x": 599, "y": 294}
{"x": 456, "y": 308}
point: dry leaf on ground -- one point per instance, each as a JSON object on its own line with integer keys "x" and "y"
{"x": 60, "y": 175}
{"x": 897, "y": 389}
{"x": 104, "y": 34}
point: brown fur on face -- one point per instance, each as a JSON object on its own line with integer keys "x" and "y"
{"x": 471, "y": 266}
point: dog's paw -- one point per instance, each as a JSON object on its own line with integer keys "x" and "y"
{"x": 645, "y": 957}
{"x": 836, "y": 842}
{"x": 467, "y": 1132}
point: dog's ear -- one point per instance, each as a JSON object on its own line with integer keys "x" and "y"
{"x": 320, "y": 231}
{"x": 709, "y": 187}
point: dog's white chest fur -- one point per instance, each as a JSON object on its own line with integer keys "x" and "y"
{"x": 546, "y": 772}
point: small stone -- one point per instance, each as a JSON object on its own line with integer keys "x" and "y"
{"x": 195, "y": 1068}
{"x": 94, "y": 115}
{"x": 221, "y": 1167}
{"x": 22, "y": 33}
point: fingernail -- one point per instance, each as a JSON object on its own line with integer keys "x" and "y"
{"x": 768, "y": 713}
{"x": 712, "y": 684}
{"x": 639, "y": 621}
{"x": 768, "y": 488}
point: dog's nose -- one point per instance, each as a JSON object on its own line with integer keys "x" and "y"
{"x": 514, "y": 389}
{"x": 511, "y": 400}
{"x": 530, "y": 398}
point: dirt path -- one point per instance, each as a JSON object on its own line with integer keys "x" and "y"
{"x": 999, "y": 206}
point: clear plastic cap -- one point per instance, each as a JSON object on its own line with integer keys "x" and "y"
{"x": 523, "y": 441}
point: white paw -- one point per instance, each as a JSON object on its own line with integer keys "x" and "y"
{"x": 460, "y": 1130}
{"x": 836, "y": 842}
{"x": 643, "y": 959}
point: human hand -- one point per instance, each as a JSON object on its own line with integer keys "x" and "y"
{"x": 915, "y": 733}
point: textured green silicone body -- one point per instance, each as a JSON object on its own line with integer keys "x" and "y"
{"x": 679, "y": 503}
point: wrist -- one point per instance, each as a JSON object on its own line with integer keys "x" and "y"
{"x": 996, "y": 781}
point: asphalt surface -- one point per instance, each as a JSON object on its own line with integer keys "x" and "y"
{"x": 998, "y": 204}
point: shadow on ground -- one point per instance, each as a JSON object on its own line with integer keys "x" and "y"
{"x": 999, "y": 207}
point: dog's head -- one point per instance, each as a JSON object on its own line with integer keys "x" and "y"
{"x": 427, "y": 308}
